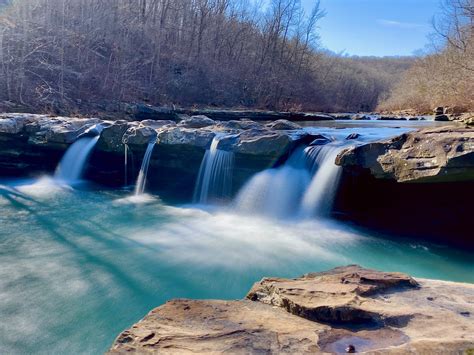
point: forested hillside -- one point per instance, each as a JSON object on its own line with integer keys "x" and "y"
{"x": 445, "y": 77}
{"x": 66, "y": 55}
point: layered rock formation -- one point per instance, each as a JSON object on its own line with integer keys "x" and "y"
{"x": 347, "y": 309}
{"x": 416, "y": 185}
{"x": 34, "y": 144}
{"x": 443, "y": 154}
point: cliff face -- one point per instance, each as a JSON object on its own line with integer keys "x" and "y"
{"x": 347, "y": 309}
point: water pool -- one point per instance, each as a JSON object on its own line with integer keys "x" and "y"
{"x": 77, "y": 266}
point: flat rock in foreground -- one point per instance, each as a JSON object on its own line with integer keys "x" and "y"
{"x": 327, "y": 312}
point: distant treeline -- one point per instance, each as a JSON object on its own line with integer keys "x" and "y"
{"x": 445, "y": 77}
{"x": 59, "y": 55}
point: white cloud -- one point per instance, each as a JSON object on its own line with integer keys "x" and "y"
{"x": 399, "y": 24}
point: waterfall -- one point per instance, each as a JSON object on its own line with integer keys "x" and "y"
{"x": 215, "y": 174}
{"x": 304, "y": 186}
{"x": 276, "y": 192}
{"x": 319, "y": 196}
{"x": 73, "y": 162}
{"x": 141, "y": 180}
{"x": 125, "y": 173}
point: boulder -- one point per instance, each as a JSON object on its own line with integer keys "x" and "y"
{"x": 438, "y": 111}
{"x": 347, "y": 309}
{"x": 64, "y": 130}
{"x": 199, "y": 121}
{"x": 283, "y": 125}
{"x": 139, "y": 135}
{"x": 335, "y": 296}
{"x": 444, "y": 154}
{"x": 15, "y": 123}
{"x": 157, "y": 124}
{"x": 263, "y": 142}
{"x": 443, "y": 118}
{"x": 200, "y": 138}
{"x": 111, "y": 138}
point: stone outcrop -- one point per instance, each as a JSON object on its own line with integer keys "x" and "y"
{"x": 197, "y": 122}
{"x": 443, "y": 154}
{"x": 34, "y": 144}
{"x": 139, "y": 135}
{"x": 347, "y": 309}
{"x": 177, "y": 136}
{"x": 308, "y": 296}
{"x": 262, "y": 142}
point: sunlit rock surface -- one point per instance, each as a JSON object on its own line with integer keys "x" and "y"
{"x": 327, "y": 312}
{"x": 139, "y": 135}
{"x": 443, "y": 154}
{"x": 198, "y": 121}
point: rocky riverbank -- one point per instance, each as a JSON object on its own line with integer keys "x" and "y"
{"x": 347, "y": 309}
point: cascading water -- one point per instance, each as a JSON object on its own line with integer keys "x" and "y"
{"x": 319, "y": 196}
{"x": 71, "y": 166}
{"x": 304, "y": 186}
{"x": 276, "y": 192}
{"x": 125, "y": 172}
{"x": 215, "y": 174}
{"x": 141, "y": 180}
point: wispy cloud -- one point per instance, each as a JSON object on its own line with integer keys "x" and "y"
{"x": 399, "y": 24}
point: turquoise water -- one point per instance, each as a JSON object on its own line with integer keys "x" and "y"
{"x": 77, "y": 266}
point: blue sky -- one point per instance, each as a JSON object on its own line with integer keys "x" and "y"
{"x": 376, "y": 27}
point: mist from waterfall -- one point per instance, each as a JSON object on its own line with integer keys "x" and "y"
{"x": 304, "y": 186}
{"x": 141, "y": 180}
{"x": 215, "y": 174}
{"x": 72, "y": 165}
{"x": 276, "y": 192}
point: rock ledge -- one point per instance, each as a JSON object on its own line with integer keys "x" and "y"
{"x": 444, "y": 154}
{"x": 347, "y": 309}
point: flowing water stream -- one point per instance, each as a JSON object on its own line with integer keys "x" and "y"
{"x": 72, "y": 165}
{"x": 78, "y": 266}
{"x": 141, "y": 180}
{"x": 304, "y": 186}
{"x": 215, "y": 174}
